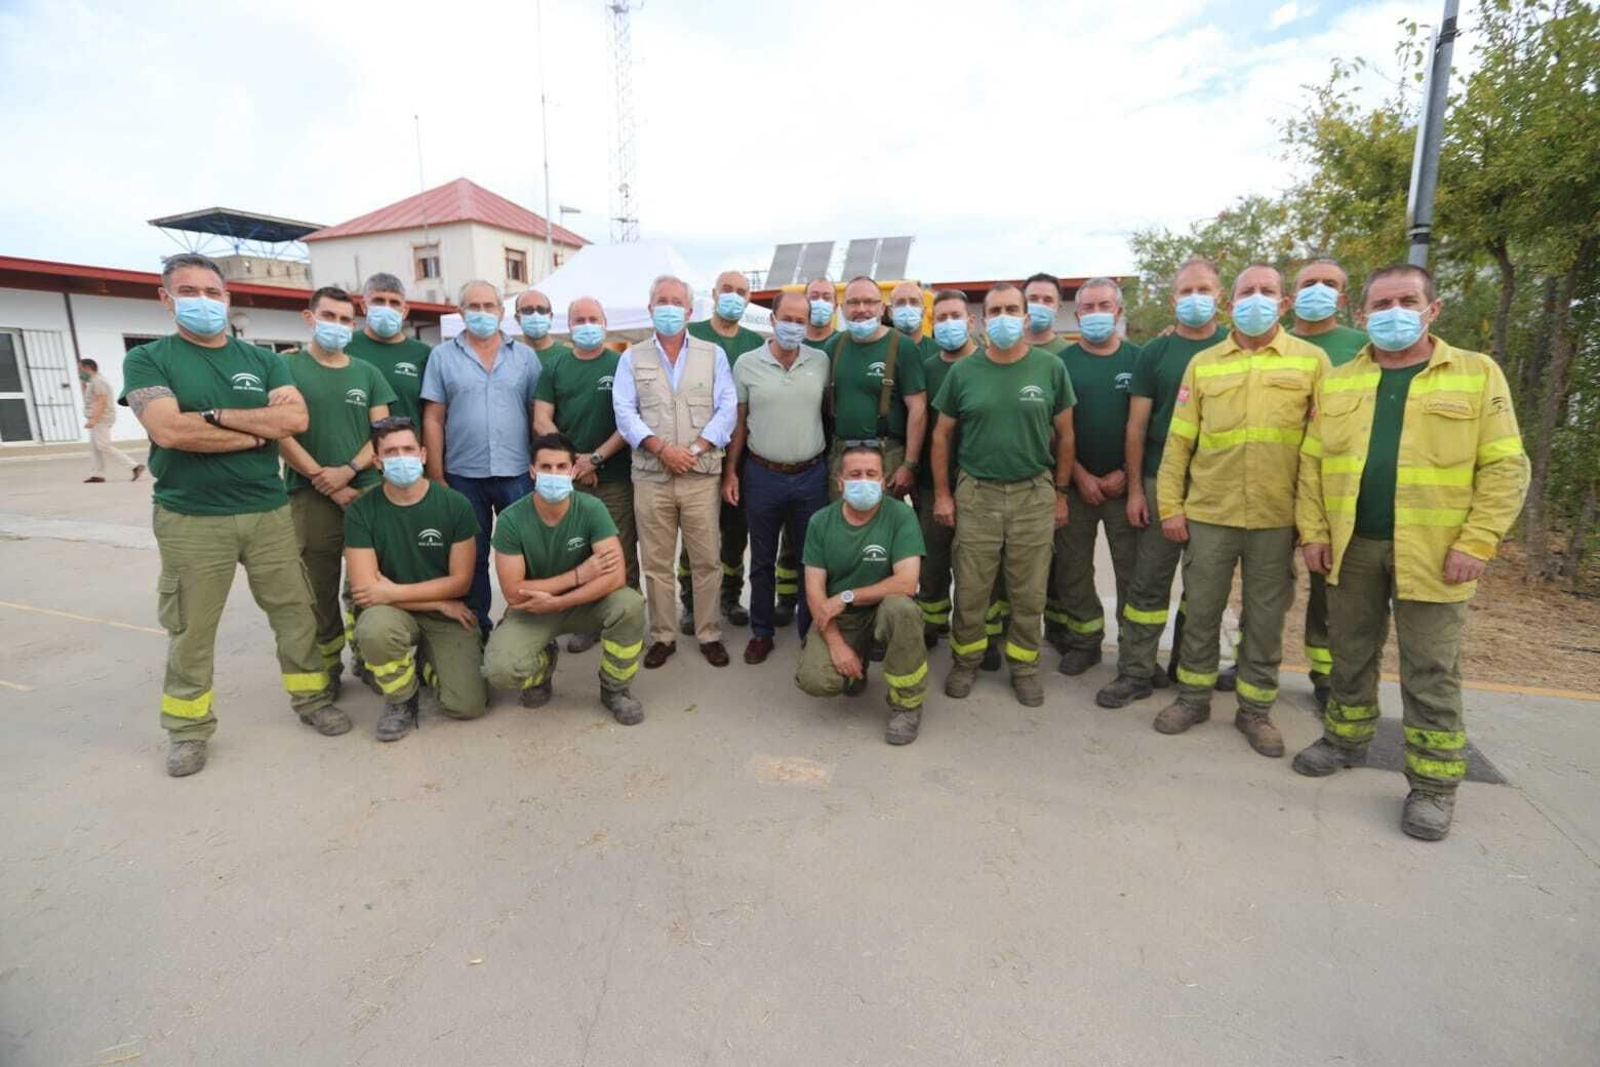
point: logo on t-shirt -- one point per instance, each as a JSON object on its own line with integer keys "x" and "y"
{"x": 575, "y": 544}
{"x": 1123, "y": 380}
{"x": 406, "y": 370}
{"x": 358, "y": 397}
{"x": 247, "y": 381}
{"x": 430, "y": 538}
{"x": 875, "y": 554}
{"x": 1031, "y": 394}
{"x": 603, "y": 385}
{"x": 875, "y": 370}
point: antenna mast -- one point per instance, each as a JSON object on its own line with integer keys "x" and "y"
{"x": 624, "y": 216}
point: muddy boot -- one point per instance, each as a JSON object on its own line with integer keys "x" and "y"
{"x": 1177, "y": 717}
{"x": 1122, "y": 692}
{"x": 958, "y": 683}
{"x": 1080, "y": 658}
{"x": 397, "y": 720}
{"x": 185, "y": 758}
{"x": 1260, "y": 731}
{"x": 336, "y": 678}
{"x": 991, "y": 657}
{"x": 1160, "y": 678}
{"x": 903, "y": 726}
{"x": 783, "y": 611}
{"x": 1058, "y": 639}
{"x": 1227, "y": 680}
{"x": 733, "y": 612}
{"x": 1427, "y": 815}
{"x": 328, "y": 721}
{"x": 1323, "y": 758}
{"x": 583, "y": 642}
{"x": 622, "y": 706}
{"x": 1028, "y": 689}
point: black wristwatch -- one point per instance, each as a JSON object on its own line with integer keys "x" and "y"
{"x": 210, "y": 415}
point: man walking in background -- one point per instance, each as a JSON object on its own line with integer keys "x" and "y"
{"x": 100, "y": 416}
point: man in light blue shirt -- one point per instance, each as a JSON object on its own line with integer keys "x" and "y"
{"x": 674, "y": 399}
{"x": 478, "y": 417}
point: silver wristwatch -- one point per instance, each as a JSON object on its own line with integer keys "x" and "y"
{"x": 596, "y": 459}
{"x": 695, "y": 450}
{"x": 847, "y": 597}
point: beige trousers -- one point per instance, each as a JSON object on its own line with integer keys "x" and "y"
{"x": 100, "y": 449}
{"x": 688, "y": 504}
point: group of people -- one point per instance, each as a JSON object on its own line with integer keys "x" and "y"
{"x": 900, "y": 474}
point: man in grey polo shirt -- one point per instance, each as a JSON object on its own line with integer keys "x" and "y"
{"x": 779, "y": 434}
{"x": 478, "y": 391}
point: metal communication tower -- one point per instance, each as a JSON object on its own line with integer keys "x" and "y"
{"x": 624, "y": 216}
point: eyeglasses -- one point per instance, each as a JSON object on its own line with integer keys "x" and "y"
{"x": 533, "y": 311}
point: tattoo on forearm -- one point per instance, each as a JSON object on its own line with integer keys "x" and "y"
{"x": 140, "y": 399}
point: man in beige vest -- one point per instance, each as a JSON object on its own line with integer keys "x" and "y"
{"x": 675, "y": 403}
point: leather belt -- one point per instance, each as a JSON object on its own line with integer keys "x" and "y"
{"x": 784, "y": 468}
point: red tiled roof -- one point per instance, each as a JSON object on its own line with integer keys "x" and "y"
{"x": 457, "y": 201}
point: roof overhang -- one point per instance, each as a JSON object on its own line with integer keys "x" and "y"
{"x": 239, "y": 225}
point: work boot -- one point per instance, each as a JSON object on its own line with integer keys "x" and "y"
{"x": 1122, "y": 692}
{"x": 537, "y": 696}
{"x": 930, "y": 635}
{"x": 1323, "y": 757}
{"x": 1058, "y": 638}
{"x": 1078, "y": 659}
{"x": 783, "y": 611}
{"x": 622, "y": 706}
{"x": 903, "y": 726}
{"x": 733, "y": 612}
{"x": 1227, "y": 680}
{"x": 328, "y": 721}
{"x": 1160, "y": 679}
{"x": 854, "y": 687}
{"x": 991, "y": 657}
{"x": 1260, "y": 731}
{"x": 366, "y": 677}
{"x": 336, "y": 677}
{"x": 397, "y": 720}
{"x": 185, "y": 758}
{"x": 1177, "y": 717}
{"x": 583, "y": 642}
{"x": 1029, "y": 690}
{"x": 1427, "y": 815}
{"x": 958, "y": 683}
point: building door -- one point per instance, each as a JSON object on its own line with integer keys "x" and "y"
{"x": 52, "y": 376}
{"x": 16, "y": 417}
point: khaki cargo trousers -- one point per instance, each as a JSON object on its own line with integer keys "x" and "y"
{"x": 1009, "y": 526}
{"x": 895, "y": 623}
{"x": 400, "y": 646}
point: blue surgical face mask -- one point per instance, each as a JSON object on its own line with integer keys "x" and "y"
{"x": 1003, "y": 330}
{"x": 1316, "y": 302}
{"x": 1041, "y": 317}
{"x": 481, "y": 324}
{"x": 730, "y": 306}
{"x": 330, "y": 336}
{"x": 383, "y": 321}
{"x": 906, "y": 317}
{"x": 1097, "y": 326}
{"x": 535, "y": 324}
{"x": 950, "y": 334}
{"x": 1395, "y": 329}
{"x": 201, "y": 315}
{"x": 862, "y": 494}
{"x": 667, "y": 319}
{"x": 821, "y": 312}
{"x": 789, "y": 334}
{"x": 552, "y": 488}
{"x": 1196, "y": 309}
{"x": 860, "y": 331}
{"x": 402, "y": 470}
{"x": 1255, "y": 314}
{"x": 587, "y": 335}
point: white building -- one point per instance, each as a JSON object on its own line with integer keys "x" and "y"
{"x": 440, "y": 239}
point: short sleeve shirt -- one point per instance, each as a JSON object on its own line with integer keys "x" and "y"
{"x": 858, "y": 382}
{"x": 743, "y": 340}
{"x": 785, "y": 406}
{"x": 98, "y": 388}
{"x": 580, "y": 392}
{"x": 857, "y": 556}
{"x": 486, "y": 427}
{"x": 1006, "y": 413}
{"x": 1157, "y": 374}
{"x": 413, "y": 541}
{"x": 402, "y": 364}
{"x": 339, "y": 401}
{"x": 552, "y": 550}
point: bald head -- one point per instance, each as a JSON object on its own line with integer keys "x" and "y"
{"x": 1258, "y": 278}
{"x": 532, "y": 302}
{"x": 585, "y": 309}
{"x": 731, "y": 281}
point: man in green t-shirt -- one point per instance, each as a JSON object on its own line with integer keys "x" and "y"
{"x": 560, "y": 567}
{"x": 907, "y": 310}
{"x": 731, "y": 296}
{"x": 1157, "y": 373}
{"x": 534, "y": 317}
{"x": 861, "y": 370}
{"x": 823, "y": 299}
{"x": 1013, "y": 407}
{"x": 410, "y": 545}
{"x": 1100, "y": 366}
{"x": 212, "y": 406}
{"x": 383, "y": 343}
{"x": 329, "y": 464}
{"x": 1043, "y": 293}
{"x": 862, "y": 556}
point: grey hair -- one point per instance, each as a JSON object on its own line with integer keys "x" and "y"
{"x": 173, "y": 264}
{"x": 384, "y": 283}
{"x": 663, "y": 279}
{"x": 578, "y": 300}
{"x": 1204, "y": 264}
{"x": 1330, "y": 262}
{"x": 1099, "y": 283}
{"x": 461, "y": 296}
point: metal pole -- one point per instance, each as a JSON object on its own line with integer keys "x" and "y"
{"x": 1425, "y": 164}
{"x": 544, "y": 133}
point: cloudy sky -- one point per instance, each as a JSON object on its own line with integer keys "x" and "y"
{"x": 1008, "y": 136}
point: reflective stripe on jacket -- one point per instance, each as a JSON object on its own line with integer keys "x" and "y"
{"x": 1461, "y": 477}
{"x": 1233, "y": 448}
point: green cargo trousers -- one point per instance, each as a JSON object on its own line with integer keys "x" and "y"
{"x": 618, "y": 499}
{"x": 1319, "y": 653}
{"x": 1009, "y": 526}
{"x": 1144, "y": 616}
{"x": 896, "y": 623}
{"x": 199, "y": 554}
{"x": 395, "y": 644}
{"x": 517, "y": 656}
{"x": 1429, "y": 635}
{"x": 319, "y": 530}
{"x": 1074, "y": 603}
{"x": 933, "y": 584}
{"x": 1264, "y": 560}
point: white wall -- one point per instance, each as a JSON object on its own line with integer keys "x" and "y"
{"x": 467, "y": 250}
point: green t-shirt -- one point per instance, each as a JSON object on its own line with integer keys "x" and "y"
{"x": 549, "y": 355}
{"x": 1157, "y": 374}
{"x": 858, "y": 380}
{"x": 935, "y": 369}
{"x": 1340, "y": 343}
{"x": 580, "y": 391}
{"x": 552, "y": 550}
{"x": 237, "y": 375}
{"x": 1375, "y": 504}
{"x": 1007, "y": 413}
{"x": 1056, "y": 347}
{"x": 742, "y": 341}
{"x": 339, "y": 400}
{"x": 412, "y": 542}
{"x": 1100, "y": 419}
{"x": 859, "y": 556}
{"x": 401, "y": 365}
{"x": 827, "y": 344}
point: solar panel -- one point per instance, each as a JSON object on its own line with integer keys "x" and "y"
{"x": 785, "y": 261}
{"x": 814, "y": 260}
{"x": 859, "y": 257}
{"x": 893, "y": 255}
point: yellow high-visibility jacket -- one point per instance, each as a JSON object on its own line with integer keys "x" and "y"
{"x": 1234, "y": 446}
{"x": 1461, "y": 477}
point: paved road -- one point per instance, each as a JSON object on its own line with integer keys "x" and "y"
{"x": 749, "y": 876}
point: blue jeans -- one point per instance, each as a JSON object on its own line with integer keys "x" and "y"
{"x": 488, "y": 497}
{"x": 771, "y": 502}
